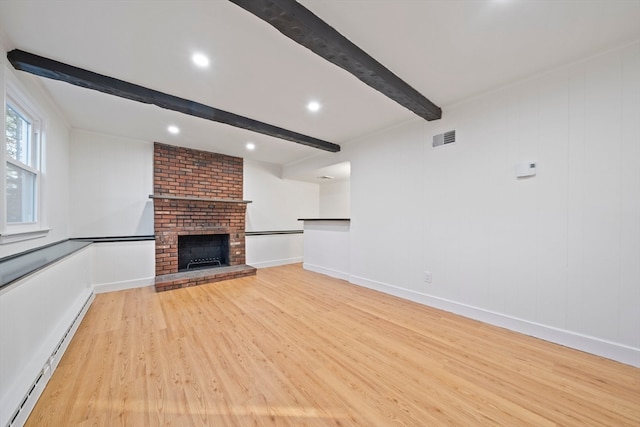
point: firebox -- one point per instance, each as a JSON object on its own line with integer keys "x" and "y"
{"x": 203, "y": 251}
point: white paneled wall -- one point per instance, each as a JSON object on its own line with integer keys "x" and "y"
{"x": 122, "y": 265}
{"x": 276, "y": 205}
{"x": 111, "y": 180}
{"x": 335, "y": 199}
{"x": 275, "y": 249}
{"x": 556, "y": 255}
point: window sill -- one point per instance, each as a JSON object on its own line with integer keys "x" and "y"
{"x": 18, "y": 236}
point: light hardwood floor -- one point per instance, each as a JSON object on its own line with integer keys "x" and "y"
{"x": 294, "y": 348}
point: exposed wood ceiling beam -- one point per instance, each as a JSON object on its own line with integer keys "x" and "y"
{"x": 45, "y": 67}
{"x": 301, "y": 25}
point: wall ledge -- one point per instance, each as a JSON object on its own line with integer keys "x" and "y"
{"x": 21, "y": 265}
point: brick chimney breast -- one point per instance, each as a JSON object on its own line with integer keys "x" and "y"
{"x": 197, "y": 193}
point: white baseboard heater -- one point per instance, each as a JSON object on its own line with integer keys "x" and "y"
{"x": 21, "y": 414}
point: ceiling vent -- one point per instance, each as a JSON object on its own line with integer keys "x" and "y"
{"x": 444, "y": 138}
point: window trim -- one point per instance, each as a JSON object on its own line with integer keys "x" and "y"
{"x": 15, "y": 94}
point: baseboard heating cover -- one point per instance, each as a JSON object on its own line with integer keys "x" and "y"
{"x": 23, "y": 410}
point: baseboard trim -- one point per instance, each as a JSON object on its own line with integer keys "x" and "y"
{"x": 276, "y": 263}
{"x": 327, "y": 271}
{"x": 610, "y": 350}
{"x": 102, "y": 288}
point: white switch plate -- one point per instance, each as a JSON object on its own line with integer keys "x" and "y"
{"x": 427, "y": 276}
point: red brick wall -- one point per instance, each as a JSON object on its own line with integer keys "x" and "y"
{"x": 185, "y": 172}
{"x": 193, "y": 173}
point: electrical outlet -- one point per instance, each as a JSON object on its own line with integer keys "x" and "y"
{"x": 427, "y": 276}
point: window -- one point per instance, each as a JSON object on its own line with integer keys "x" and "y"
{"x": 22, "y": 169}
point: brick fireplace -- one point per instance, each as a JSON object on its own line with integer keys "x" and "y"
{"x": 199, "y": 211}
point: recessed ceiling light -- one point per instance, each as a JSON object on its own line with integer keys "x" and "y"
{"x": 200, "y": 60}
{"x": 313, "y": 106}
{"x": 173, "y": 129}
{"x": 250, "y": 146}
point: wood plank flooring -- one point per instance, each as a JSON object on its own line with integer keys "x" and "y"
{"x": 293, "y": 348}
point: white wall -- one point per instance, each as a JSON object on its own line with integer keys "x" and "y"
{"x": 111, "y": 180}
{"x": 555, "y": 255}
{"x": 335, "y": 199}
{"x": 122, "y": 265}
{"x": 276, "y": 205}
{"x": 55, "y": 167}
{"x": 273, "y": 250}
{"x": 326, "y": 248}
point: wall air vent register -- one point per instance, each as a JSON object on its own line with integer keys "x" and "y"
{"x": 444, "y": 138}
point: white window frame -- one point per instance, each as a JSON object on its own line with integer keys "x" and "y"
{"x": 15, "y": 95}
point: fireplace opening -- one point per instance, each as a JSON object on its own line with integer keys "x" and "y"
{"x": 203, "y": 251}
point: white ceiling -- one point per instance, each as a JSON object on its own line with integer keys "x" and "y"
{"x": 448, "y": 50}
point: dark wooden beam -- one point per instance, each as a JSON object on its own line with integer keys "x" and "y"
{"x": 301, "y": 25}
{"x": 44, "y": 67}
